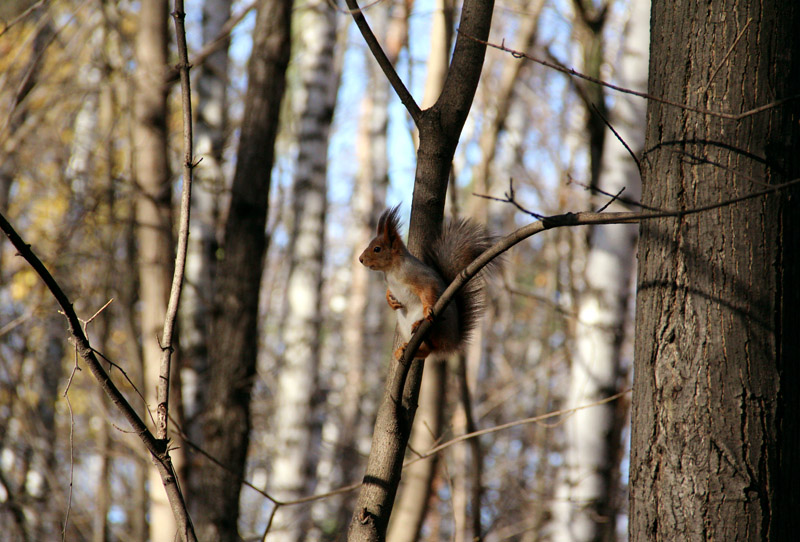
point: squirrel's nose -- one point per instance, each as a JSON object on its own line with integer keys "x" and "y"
{"x": 361, "y": 258}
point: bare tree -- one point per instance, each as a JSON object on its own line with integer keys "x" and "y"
{"x": 439, "y": 130}
{"x": 415, "y": 495}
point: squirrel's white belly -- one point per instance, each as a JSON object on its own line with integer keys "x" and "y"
{"x": 411, "y": 311}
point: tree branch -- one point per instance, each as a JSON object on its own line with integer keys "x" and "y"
{"x": 575, "y": 73}
{"x": 162, "y": 416}
{"x": 547, "y": 223}
{"x": 383, "y": 61}
{"x": 156, "y": 447}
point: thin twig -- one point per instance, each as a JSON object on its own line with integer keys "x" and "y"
{"x": 215, "y": 44}
{"x": 75, "y": 368}
{"x": 157, "y": 448}
{"x": 18, "y": 321}
{"x": 220, "y": 464}
{"x": 626, "y": 201}
{"x": 515, "y": 423}
{"x": 170, "y": 317}
{"x": 21, "y": 16}
{"x": 509, "y": 197}
{"x": 724, "y": 58}
{"x": 129, "y": 381}
{"x": 619, "y": 138}
{"x": 362, "y": 9}
{"x": 575, "y": 73}
{"x": 95, "y": 315}
{"x": 612, "y": 200}
{"x": 703, "y": 160}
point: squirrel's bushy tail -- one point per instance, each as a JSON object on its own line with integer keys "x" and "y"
{"x": 461, "y": 241}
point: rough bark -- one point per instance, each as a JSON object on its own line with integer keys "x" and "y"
{"x": 232, "y": 352}
{"x": 714, "y": 451}
{"x": 416, "y": 495}
{"x": 295, "y": 421}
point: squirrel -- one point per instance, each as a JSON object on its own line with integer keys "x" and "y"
{"x": 414, "y": 285}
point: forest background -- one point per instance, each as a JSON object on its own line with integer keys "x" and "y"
{"x": 283, "y": 340}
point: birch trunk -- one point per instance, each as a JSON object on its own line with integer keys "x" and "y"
{"x": 587, "y": 498}
{"x": 296, "y": 424}
{"x": 154, "y": 224}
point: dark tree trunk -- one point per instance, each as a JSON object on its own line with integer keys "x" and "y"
{"x": 234, "y": 340}
{"x": 715, "y": 437}
{"x": 439, "y": 131}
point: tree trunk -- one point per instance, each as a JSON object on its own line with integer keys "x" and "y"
{"x": 232, "y": 352}
{"x": 154, "y": 224}
{"x": 295, "y": 421}
{"x": 208, "y": 185}
{"x": 716, "y": 419}
{"x": 587, "y": 505}
{"x": 415, "y": 491}
{"x": 440, "y": 129}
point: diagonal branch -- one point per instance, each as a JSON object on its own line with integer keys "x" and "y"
{"x": 383, "y": 61}
{"x": 156, "y": 447}
{"x": 575, "y": 73}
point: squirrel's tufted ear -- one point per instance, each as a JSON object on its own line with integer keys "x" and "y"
{"x": 389, "y": 223}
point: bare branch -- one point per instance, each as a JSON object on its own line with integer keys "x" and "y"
{"x": 214, "y": 45}
{"x": 157, "y": 448}
{"x": 619, "y": 138}
{"x": 183, "y": 229}
{"x": 383, "y": 61}
{"x": 21, "y": 16}
{"x": 575, "y": 73}
{"x": 546, "y": 223}
{"x": 724, "y": 58}
{"x": 515, "y": 423}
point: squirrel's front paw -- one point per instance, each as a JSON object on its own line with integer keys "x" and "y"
{"x": 392, "y": 301}
{"x": 415, "y": 326}
{"x": 398, "y": 354}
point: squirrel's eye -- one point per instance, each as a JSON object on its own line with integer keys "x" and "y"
{"x": 376, "y": 249}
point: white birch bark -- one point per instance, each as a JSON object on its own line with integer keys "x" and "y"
{"x": 586, "y": 502}
{"x": 296, "y": 430}
{"x": 364, "y": 317}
